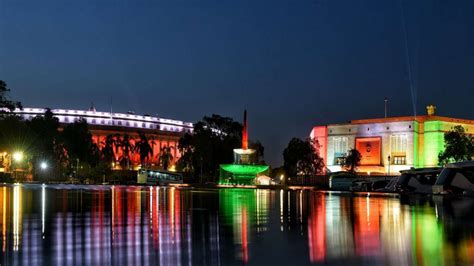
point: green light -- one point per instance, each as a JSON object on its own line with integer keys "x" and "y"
{"x": 242, "y": 169}
{"x": 427, "y": 238}
{"x": 240, "y": 173}
{"x": 232, "y": 200}
{"x": 416, "y": 145}
{"x": 238, "y": 208}
{"x": 434, "y": 142}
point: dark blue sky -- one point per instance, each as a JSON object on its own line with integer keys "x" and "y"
{"x": 292, "y": 64}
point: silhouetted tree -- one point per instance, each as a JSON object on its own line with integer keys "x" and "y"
{"x": 79, "y": 150}
{"x": 16, "y": 136}
{"x": 47, "y": 143}
{"x": 459, "y": 146}
{"x": 352, "y": 160}
{"x": 186, "y": 149}
{"x": 126, "y": 147}
{"x": 211, "y": 144}
{"x": 165, "y": 157}
{"x": 108, "y": 149}
{"x": 302, "y": 158}
{"x": 5, "y": 103}
{"x": 143, "y": 147}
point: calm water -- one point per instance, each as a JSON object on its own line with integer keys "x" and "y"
{"x": 150, "y": 225}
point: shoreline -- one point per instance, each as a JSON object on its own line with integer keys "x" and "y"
{"x": 266, "y": 187}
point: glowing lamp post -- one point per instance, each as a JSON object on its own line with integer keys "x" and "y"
{"x": 389, "y": 161}
{"x": 18, "y": 156}
{"x": 44, "y": 166}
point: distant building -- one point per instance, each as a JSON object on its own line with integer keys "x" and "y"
{"x": 161, "y": 131}
{"x": 387, "y": 144}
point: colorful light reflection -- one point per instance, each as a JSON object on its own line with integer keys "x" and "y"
{"x": 149, "y": 225}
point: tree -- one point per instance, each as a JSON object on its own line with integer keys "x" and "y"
{"x": 16, "y": 136}
{"x": 5, "y": 102}
{"x": 277, "y": 173}
{"x": 212, "y": 143}
{"x": 165, "y": 157}
{"x": 143, "y": 147}
{"x": 108, "y": 149}
{"x": 459, "y": 146}
{"x": 46, "y": 137}
{"x": 301, "y": 157}
{"x": 38, "y": 138}
{"x": 352, "y": 160}
{"x": 78, "y": 149}
{"x": 185, "y": 147}
{"x": 125, "y": 144}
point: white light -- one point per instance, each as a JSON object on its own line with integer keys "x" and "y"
{"x": 18, "y": 156}
{"x": 43, "y": 165}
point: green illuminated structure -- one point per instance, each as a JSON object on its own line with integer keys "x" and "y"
{"x": 434, "y": 140}
{"x": 241, "y": 174}
{"x": 243, "y": 171}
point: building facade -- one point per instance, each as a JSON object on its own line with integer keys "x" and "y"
{"x": 387, "y": 145}
{"x": 161, "y": 132}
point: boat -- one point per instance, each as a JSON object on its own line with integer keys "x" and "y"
{"x": 158, "y": 177}
{"x": 419, "y": 180}
{"x": 457, "y": 179}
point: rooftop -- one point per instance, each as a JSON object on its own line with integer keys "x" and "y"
{"x": 421, "y": 118}
{"x": 94, "y": 117}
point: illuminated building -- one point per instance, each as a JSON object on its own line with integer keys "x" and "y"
{"x": 161, "y": 131}
{"x": 387, "y": 144}
{"x": 244, "y": 170}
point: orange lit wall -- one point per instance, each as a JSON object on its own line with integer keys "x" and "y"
{"x": 370, "y": 150}
{"x": 320, "y": 134}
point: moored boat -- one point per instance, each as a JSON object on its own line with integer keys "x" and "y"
{"x": 456, "y": 178}
{"x": 418, "y": 180}
{"x": 158, "y": 177}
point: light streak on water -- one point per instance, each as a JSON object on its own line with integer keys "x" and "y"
{"x": 228, "y": 226}
{"x": 43, "y": 208}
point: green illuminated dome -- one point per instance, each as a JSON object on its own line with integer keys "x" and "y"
{"x": 244, "y": 169}
{"x": 241, "y": 173}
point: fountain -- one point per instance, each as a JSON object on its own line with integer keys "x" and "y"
{"x": 244, "y": 170}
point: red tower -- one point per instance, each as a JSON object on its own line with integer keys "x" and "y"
{"x": 245, "y": 137}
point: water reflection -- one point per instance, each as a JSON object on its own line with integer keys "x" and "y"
{"x": 383, "y": 230}
{"x": 167, "y": 226}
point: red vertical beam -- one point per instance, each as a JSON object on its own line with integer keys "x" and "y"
{"x": 245, "y": 137}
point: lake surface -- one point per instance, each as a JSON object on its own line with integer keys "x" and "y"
{"x": 120, "y": 225}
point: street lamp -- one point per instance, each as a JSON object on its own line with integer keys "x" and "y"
{"x": 389, "y": 161}
{"x": 18, "y": 156}
{"x": 44, "y": 165}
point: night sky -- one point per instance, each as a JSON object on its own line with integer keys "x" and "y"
{"x": 291, "y": 64}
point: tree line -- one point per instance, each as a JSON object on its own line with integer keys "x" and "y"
{"x": 69, "y": 151}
